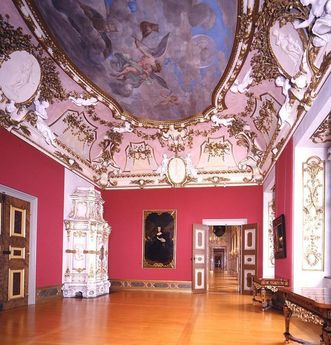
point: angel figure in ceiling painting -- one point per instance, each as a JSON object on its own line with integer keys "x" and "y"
{"x": 130, "y": 73}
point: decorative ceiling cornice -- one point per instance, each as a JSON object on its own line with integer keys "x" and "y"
{"x": 260, "y": 100}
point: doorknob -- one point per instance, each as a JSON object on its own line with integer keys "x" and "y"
{"x": 6, "y": 252}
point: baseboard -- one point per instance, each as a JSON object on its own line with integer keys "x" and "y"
{"x": 156, "y": 285}
{"x": 48, "y": 292}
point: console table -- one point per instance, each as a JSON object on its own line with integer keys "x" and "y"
{"x": 264, "y": 288}
{"x": 310, "y": 305}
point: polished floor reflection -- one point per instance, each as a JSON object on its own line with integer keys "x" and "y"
{"x": 141, "y": 317}
{"x": 222, "y": 281}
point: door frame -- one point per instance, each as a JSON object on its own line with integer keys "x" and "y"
{"x": 33, "y": 237}
{"x": 221, "y": 221}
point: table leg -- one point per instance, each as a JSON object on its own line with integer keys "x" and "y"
{"x": 263, "y": 297}
{"x": 254, "y": 292}
{"x": 287, "y": 315}
{"x": 326, "y": 332}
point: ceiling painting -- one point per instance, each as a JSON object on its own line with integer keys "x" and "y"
{"x": 160, "y": 60}
{"x": 167, "y": 68}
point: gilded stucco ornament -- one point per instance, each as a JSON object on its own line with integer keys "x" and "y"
{"x": 219, "y": 146}
{"x": 323, "y": 132}
{"x": 29, "y": 83}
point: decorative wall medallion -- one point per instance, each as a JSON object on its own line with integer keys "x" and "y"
{"x": 313, "y": 214}
{"x": 20, "y": 76}
{"x": 176, "y": 171}
{"x": 287, "y": 47}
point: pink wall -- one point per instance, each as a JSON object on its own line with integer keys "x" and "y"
{"x": 26, "y": 169}
{"x": 283, "y": 201}
{"x": 124, "y": 212}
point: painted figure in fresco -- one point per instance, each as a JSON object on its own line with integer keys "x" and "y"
{"x": 92, "y": 27}
{"x": 133, "y": 73}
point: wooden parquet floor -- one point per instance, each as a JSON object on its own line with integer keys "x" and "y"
{"x": 143, "y": 317}
{"x": 222, "y": 281}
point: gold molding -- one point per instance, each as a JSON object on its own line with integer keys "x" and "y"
{"x": 13, "y": 256}
{"x": 11, "y": 283}
{"x": 172, "y": 264}
{"x": 136, "y": 284}
{"x": 322, "y": 134}
{"x": 12, "y": 222}
{"x": 304, "y": 314}
{"x": 240, "y": 50}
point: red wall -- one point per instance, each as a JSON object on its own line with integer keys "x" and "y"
{"x": 26, "y": 169}
{"x": 283, "y": 205}
{"x": 124, "y": 212}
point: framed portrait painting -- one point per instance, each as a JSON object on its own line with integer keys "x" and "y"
{"x": 159, "y": 239}
{"x": 279, "y": 237}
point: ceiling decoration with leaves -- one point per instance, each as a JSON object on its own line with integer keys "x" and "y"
{"x": 150, "y": 93}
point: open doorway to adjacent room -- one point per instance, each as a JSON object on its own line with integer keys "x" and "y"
{"x": 224, "y": 258}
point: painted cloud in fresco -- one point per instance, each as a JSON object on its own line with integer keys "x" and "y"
{"x": 160, "y": 60}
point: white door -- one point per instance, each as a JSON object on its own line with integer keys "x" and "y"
{"x": 248, "y": 257}
{"x": 199, "y": 258}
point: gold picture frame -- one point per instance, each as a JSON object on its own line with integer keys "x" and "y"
{"x": 159, "y": 238}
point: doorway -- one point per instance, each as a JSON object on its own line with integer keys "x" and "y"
{"x": 224, "y": 258}
{"x": 239, "y": 268}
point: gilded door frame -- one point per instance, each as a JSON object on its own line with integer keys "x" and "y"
{"x": 33, "y": 236}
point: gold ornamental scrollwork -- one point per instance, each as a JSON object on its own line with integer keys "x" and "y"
{"x": 313, "y": 214}
{"x": 304, "y": 314}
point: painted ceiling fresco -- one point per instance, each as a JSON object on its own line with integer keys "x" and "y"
{"x": 160, "y": 60}
{"x": 109, "y": 89}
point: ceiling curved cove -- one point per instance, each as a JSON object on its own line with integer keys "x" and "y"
{"x": 159, "y": 60}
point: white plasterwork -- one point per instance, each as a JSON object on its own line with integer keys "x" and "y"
{"x": 20, "y": 76}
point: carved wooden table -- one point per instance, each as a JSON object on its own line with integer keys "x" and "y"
{"x": 265, "y": 288}
{"x": 310, "y": 305}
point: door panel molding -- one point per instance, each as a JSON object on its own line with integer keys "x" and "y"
{"x": 248, "y": 257}
{"x": 199, "y": 258}
{"x": 12, "y": 284}
{"x": 33, "y": 236}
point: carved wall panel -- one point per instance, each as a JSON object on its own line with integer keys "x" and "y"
{"x": 313, "y": 214}
{"x": 140, "y": 158}
{"x": 76, "y": 132}
{"x": 216, "y": 153}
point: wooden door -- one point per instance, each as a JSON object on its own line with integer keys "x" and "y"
{"x": 14, "y": 251}
{"x": 248, "y": 257}
{"x": 199, "y": 258}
